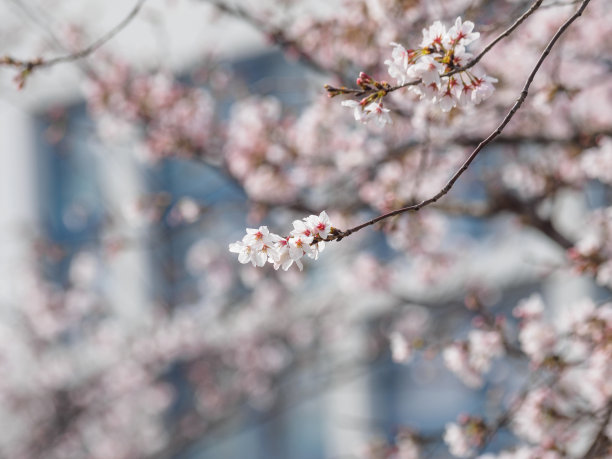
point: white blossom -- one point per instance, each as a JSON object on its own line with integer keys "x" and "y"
{"x": 358, "y": 112}
{"x": 260, "y": 246}
{"x": 376, "y": 111}
{"x": 457, "y": 440}
{"x": 434, "y": 35}
{"x": 428, "y": 70}
{"x": 483, "y": 88}
{"x": 372, "y": 111}
{"x": 319, "y": 225}
{"x": 398, "y": 64}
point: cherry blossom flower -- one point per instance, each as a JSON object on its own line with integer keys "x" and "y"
{"x": 484, "y": 346}
{"x": 259, "y": 238}
{"x": 439, "y": 52}
{"x": 256, "y": 246}
{"x": 302, "y": 229}
{"x": 398, "y": 64}
{"x": 376, "y": 111}
{"x": 428, "y": 70}
{"x": 282, "y": 259}
{"x": 424, "y": 68}
{"x": 482, "y": 88}
{"x": 298, "y": 247}
{"x": 434, "y": 36}
{"x": 357, "y": 107}
{"x": 461, "y": 33}
{"x": 243, "y": 250}
{"x": 319, "y": 225}
{"x": 447, "y": 99}
{"x": 373, "y": 110}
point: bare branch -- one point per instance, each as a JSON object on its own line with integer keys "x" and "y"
{"x": 29, "y": 65}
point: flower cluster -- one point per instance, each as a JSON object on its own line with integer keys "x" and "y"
{"x": 536, "y": 336}
{"x": 592, "y": 253}
{"x": 470, "y": 359}
{"x": 259, "y": 246}
{"x": 574, "y": 353}
{"x": 175, "y": 119}
{"x": 464, "y": 437}
{"x": 365, "y": 112}
{"x": 442, "y": 52}
{"x": 370, "y": 107}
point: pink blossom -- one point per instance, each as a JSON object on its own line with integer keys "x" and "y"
{"x": 398, "y": 65}
{"x": 320, "y": 225}
{"x": 434, "y": 36}
{"x": 461, "y": 33}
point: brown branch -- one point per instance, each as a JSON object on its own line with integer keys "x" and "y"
{"x": 506, "y": 201}
{"x": 339, "y": 235}
{"x": 29, "y": 65}
{"x": 583, "y": 140}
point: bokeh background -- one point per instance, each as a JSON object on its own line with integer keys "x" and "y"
{"x": 128, "y": 330}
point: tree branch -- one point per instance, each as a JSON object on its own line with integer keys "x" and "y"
{"x": 339, "y": 235}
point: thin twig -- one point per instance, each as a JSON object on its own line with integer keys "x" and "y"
{"x": 30, "y": 65}
{"x": 338, "y": 235}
